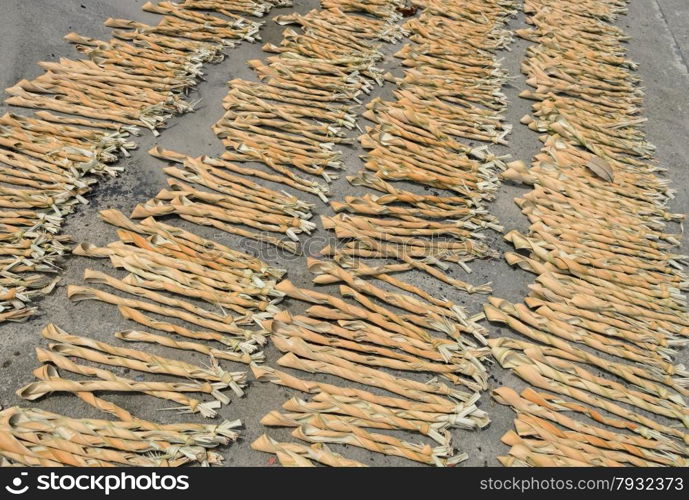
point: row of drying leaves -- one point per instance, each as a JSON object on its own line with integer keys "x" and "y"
{"x": 606, "y": 315}
{"x": 137, "y": 80}
{"x": 49, "y": 162}
{"x": 291, "y": 122}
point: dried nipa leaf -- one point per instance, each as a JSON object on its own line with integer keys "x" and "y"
{"x": 609, "y": 287}
{"x": 601, "y": 168}
{"x": 32, "y": 437}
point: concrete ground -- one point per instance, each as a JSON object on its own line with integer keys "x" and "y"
{"x": 31, "y": 31}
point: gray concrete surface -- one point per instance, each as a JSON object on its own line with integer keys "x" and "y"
{"x": 32, "y": 30}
